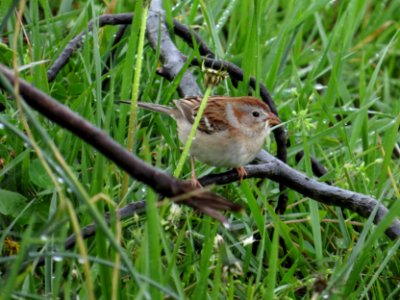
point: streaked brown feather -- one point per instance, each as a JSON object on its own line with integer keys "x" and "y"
{"x": 211, "y": 120}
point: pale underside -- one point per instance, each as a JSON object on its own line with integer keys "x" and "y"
{"x": 216, "y": 149}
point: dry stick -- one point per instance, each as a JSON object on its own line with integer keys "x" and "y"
{"x": 160, "y": 181}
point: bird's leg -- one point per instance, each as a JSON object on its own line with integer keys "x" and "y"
{"x": 241, "y": 172}
{"x": 194, "y": 180}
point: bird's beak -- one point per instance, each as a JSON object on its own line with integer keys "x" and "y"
{"x": 273, "y": 119}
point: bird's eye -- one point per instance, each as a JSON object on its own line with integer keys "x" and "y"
{"x": 256, "y": 114}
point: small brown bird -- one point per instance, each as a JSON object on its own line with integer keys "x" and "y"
{"x": 232, "y": 130}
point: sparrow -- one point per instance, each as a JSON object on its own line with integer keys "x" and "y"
{"x": 232, "y": 130}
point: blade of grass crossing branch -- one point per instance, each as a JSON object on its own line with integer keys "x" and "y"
{"x": 127, "y": 72}
{"x": 135, "y": 93}
{"x": 192, "y": 134}
{"x": 39, "y": 71}
{"x": 136, "y": 79}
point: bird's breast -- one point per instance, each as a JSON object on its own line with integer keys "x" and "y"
{"x": 223, "y": 148}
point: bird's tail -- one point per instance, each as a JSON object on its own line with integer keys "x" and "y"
{"x": 152, "y": 106}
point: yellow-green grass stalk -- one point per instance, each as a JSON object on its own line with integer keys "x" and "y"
{"x": 192, "y": 134}
{"x": 135, "y": 96}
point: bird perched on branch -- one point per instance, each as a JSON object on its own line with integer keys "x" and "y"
{"x": 232, "y": 130}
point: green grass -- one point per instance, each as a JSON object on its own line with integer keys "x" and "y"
{"x": 332, "y": 68}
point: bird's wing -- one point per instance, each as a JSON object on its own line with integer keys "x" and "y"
{"x": 212, "y": 120}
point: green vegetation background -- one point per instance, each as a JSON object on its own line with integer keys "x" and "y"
{"x": 333, "y": 70}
